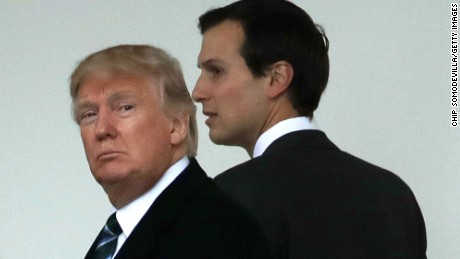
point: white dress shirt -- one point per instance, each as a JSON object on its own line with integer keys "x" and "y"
{"x": 280, "y": 129}
{"x": 130, "y": 215}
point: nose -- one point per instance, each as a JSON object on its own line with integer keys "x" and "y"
{"x": 198, "y": 93}
{"x": 105, "y": 126}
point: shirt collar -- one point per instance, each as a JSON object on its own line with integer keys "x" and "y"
{"x": 130, "y": 215}
{"x": 280, "y": 129}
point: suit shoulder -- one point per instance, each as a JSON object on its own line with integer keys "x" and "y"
{"x": 237, "y": 177}
{"x": 212, "y": 219}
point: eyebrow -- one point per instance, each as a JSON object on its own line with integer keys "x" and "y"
{"x": 80, "y": 105}
{"x": 209, "y": 63}
{"x": 112, "y": 98}
{"x": 117, "y": 96}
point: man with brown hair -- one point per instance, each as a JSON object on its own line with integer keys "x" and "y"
{"x": 264, "y": 65}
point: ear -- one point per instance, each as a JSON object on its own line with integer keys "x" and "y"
{"x": 281, "y": 74}
{"x": 179, "y": 128}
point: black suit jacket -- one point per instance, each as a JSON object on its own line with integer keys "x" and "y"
{"x": 193, "y": 218}
{"x": 316, "y": 201}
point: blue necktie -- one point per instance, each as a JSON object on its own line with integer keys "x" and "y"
{"x": 107, "y": 239}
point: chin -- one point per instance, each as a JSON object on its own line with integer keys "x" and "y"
{"x": 109, "y": 177}
{"x": 215, "y": 139}
{"x": 221, "y": 140}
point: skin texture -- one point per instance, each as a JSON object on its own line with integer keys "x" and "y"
{"x": 239, "y": 106}
{"x": 129, "y": 141}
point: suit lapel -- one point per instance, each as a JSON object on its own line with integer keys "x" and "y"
{"x": 154, "y": 227}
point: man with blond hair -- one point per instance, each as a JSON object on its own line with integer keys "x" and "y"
{"x": 137, "y": 123}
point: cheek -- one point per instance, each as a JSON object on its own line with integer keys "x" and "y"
{"x": 235, "y": 102}
{"x": 86, "y": 139}
{"x": 239, "y": 90}
{"x": 229, "y": 97}
{"x": 150, "y": 136}
{"x": 152, "y": 151}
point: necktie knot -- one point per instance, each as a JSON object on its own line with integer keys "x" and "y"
{"x": 107, "y": 239}
{"x": 112, "y": 227}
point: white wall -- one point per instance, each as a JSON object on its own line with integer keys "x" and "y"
{"x": 387, "y": 102}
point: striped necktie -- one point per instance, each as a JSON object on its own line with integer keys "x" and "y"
{"x": 107, "y": 239}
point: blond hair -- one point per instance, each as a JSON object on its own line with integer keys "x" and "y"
{"x": 143, "y": 61}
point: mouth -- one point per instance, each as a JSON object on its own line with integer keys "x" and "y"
{"x": 110, "y": 154}
{"x": 211, "y": 116}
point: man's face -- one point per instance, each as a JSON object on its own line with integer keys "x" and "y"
{"x": 125, "y": 134}
{"x": 232, "y": 98}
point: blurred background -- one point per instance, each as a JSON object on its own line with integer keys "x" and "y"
{"x": 387, "y": 101}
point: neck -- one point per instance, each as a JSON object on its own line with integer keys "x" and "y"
{"x": 124, "y": 192}
{"x": 121, "y": 196}
{"x": 281, "y": 110}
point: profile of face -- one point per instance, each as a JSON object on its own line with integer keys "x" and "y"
{"x": 233, "y": 99}
{"x": 128, "y": 139}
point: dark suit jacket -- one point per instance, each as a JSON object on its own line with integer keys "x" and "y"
{"x": 316, "y": 201}
{"x": 193, "y": 218}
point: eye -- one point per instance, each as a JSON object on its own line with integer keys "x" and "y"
{"x": 126, "y": 107}
{"x": 215, "y": 71}
{"x": 87, "y": 116}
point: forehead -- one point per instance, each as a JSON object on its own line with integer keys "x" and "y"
{"x": 116, "y": 87}
{"x": 223, "y": 39}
